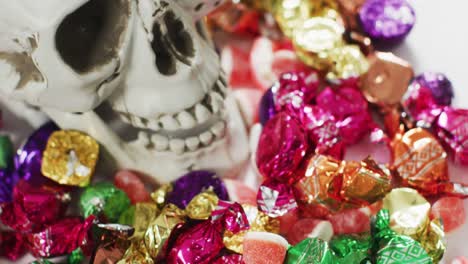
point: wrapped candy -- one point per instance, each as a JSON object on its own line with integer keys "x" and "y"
{"x": 192, "y": 183}
{"x": 450, "y": 129}
{"x": 281, "y": 148}
{"x": 331, "y": 185}
{"x": 386, "y": 90}
{"x": 275, "y": 198}
{"x": 267, "y": 108}
{"x": 345, "y": 249}
{"x": 113, "y": 242}
{"x": 296, "y": 88}
{"x": 104, "y": 200}
{"x": 70, "y": 158}
{"x": 62, "y": 238}
{"x": 387, "y": 21}
{"x": 33, "y": 207}
{"x": 146, "y": 246}
{"x": 421, "y": 162}
{"x": 387, "y": 245}
{"x": 258, "y": 222}
{"x": 6, "y": 152}
{"x": 12, "y": 245}
{"x": 28, "y": 160}
{"x": 438, "y": 84}
{"x": 409, "y": 215}
{"x": 202, "y": 242}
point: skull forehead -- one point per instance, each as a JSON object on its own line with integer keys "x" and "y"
{"x": 33, "y": 14}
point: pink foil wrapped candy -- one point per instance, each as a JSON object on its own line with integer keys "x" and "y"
{"x": 296, "y": 88}
{"x": 275, "y": 198}
{"x": 322, "y": 131}
{"x": 281, "y": 148}
{"x": 439, "y": 85}
{"x": 202, "y": 242}
{"x": 452, "y": 129}
{"x": 12, "y": 245}
{"x": 421, "y": 105}
{"x": 62, "y": 238}
{"x": 350, "y": 109}
{"x": 33, "y": 207}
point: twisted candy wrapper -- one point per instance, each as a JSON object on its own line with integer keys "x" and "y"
{"x": 333, "y": 185}
{"x": 258, "y": 221}
{"x": 202, "y": 242}
{"x": 153, "y": 226}
{"x": 113, "y": 242}
{"x": 421, "y": 162}
{"x": 409, "y": 215}
{"x": 450, "y": 128}
{"x": 34, "y": 207}
{"x": 341, "y": 250}
{"x": 62, "y": 238}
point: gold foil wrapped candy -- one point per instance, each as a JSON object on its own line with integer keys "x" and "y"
{"x": 409, "y": 215}
{"x": 159, "y": 196}
{"x": 70, "y": 158}
{"x": 201, "y": 206}
{"x": 258, "y": 221}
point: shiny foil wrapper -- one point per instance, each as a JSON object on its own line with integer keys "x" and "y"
{"x": 201, "y": 242}
{"x": 62, "y": 237}
{"x": 258, "y": 221}
{"x": 419, "y": 159}
{"x": 70, "y": 158}
{"x": 421, "y": 163}
{"x": 409, "y": 215}
{"x": 341, "y": 185}
{"x": 105, "y": 201}
{"x": 450, "y": 129}
{"x": 291, "y": 15}
{"x": 387, "y": 79}
{"x": 348, "y": 62}
{"x": 112, "y": 244}
{"x": 341, "y": 250}
{"x": 33, "y": 208}
{"x": 391, "y": 247}
{"x": 160, "y": 195}
{"x": 6, "y": 152}
{"x": 201, "y": 206}
{"x": 144, "y": 214}
{"x": 315, "y": 41}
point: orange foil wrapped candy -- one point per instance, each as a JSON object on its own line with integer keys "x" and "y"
{"x": 421, "y": 162}
{"x": 331, "y": 185}
{"x": 387, "y": 79}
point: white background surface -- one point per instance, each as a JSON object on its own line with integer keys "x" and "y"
{"x": 439, "y": 42}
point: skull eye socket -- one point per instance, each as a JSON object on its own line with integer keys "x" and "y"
{"x": 178, "y": 35}
{"x": 92, "y": 35}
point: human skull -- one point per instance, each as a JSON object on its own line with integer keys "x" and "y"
{"x": 142, "y": 59}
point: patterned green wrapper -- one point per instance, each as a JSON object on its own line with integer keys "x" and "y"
{"x": 76, "y": 257}
{"x": 104, "y": 200}
{"x": 392, "y": 248}
{"x": 310, "y": 251}
{"x": 6, "y": 152}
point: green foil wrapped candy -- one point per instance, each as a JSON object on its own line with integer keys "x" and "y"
{"x": 350, "y": 248}
{"x": 391, "y": 247}
{"x": 310, "y": 251}
{"x": 104, "y": 200}
{"x": 6, "y": 152}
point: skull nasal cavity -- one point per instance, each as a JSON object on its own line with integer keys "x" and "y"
{"x": 178, "y": 35}
{"x": 92, "y": 35}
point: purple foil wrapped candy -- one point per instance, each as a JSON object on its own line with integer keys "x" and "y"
{"x": 28, "y": 160}
{"x": 439, "y": 85}
{"x": 451, "y": 128}
{"x": 387, "y": 21}
{"x": 6, "y": 185}
{"x": 193, "y": 183}
{"x": 267, "y": 107}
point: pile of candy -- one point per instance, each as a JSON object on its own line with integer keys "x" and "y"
{"x": 320, "y": 88}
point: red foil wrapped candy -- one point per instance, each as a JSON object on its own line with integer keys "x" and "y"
{"x": 62, "y": 238}
{"x": 33, "y": 207}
